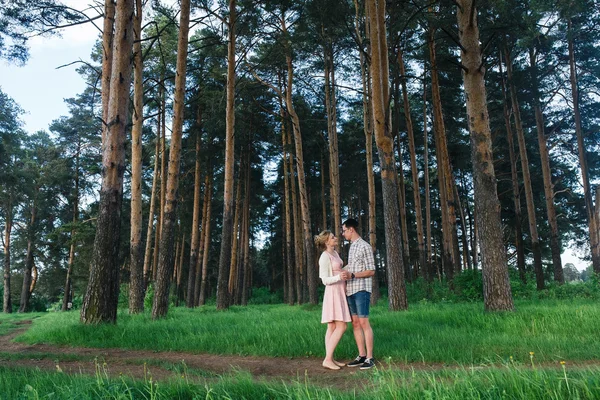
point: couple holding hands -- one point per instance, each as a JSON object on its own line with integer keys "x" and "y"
{"x": 347, "y": 294}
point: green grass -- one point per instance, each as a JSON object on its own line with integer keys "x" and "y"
{"x": 10, "y": 322}
{"x": 433, "y": 333}
{"x": 508, "y": 382}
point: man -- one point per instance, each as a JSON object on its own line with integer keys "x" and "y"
{"x": 359, "y": 283}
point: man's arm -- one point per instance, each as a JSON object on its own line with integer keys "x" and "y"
{"x": 369, "y": 263}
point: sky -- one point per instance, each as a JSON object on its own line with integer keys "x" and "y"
{"x": 40, "y": 86}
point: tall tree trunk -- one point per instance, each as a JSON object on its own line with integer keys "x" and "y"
{"x": 29, "y": 258}
{"x": 203, "y": 232}
{"x": 237, "y": 233}
{"x": 408, "y": 272}
{"x": 165, "y": 259}
{"x": 195, "y": 237}
{"x": 148, "y": 251}
{"x": 136, "y": 264}
{"x": 102, "y": 295}
{"x": 323, "y": 197}
{"x": 466, "y": 262}
{"x": 107, "y": 60}
{"x": 334, "y": 163}
{"x": 206, "y": 252}
{"x": 385, "y": 147}
{"x": 515, "y": 182}
{"x": 497, "y": 294}
{"x": 535, "y": 241}
{"x": 163, "y": 174}
{"x": 245, "y": 244}
{"x": 429, "y": 271}
{"x": 413, "y": 164}
{"x": 287, "y": 182}
{"x": 67, "y": 296}
{"x": 368, "y": 130}
{"x": 583, "y": 164}
{"x": 179, "y": 273}
{"x": 444, "y": 169}
{"x": 546, "y": 173}
{"x": 8, "y": 224}
{"x": 298, "y": 243}
{"x": 304, "y": 207}
{"x": 226, "y": 231}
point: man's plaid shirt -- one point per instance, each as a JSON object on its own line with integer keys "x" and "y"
{"x": 360, "y": 258}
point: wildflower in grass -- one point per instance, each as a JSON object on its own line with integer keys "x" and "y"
{"x": 562, "y": 363}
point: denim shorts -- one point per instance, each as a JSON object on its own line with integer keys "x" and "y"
{"x": 359, "y": 303}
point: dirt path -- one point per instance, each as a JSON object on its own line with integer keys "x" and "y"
{"x": 141, "y": 364}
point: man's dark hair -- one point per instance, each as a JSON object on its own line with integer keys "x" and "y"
{"x": 351, "y": 223}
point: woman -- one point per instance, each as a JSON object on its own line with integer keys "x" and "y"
{"x": 335, "y": 307}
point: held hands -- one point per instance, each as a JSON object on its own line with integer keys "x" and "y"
{"x": 345, "y": 275}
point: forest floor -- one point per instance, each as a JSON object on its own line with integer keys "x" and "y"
{"x": 164, "y": 365}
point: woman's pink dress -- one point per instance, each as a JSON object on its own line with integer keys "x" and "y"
{"x": 335, "y": 305}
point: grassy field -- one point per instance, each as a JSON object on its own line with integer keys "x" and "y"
{"x": 461, "y": 384}
{"x": 431, "y": 333}
{"x": 544, "y": 350}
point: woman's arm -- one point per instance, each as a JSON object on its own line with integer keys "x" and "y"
{"x": 324, "y": 268}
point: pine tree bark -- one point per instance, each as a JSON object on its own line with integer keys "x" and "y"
{"x": 287, "y": 182}
{"x": 8, "y": 224}
{"x": 368, "y": 130}
{"x": 203, "y": 231}
{"x": 136, "y": 263}
{"x": 555, "y": 246}
{"x": 237, "y": 233}
{"x": 413, "y": 165}
{"x": 445, "y": 178}
{"x": 334, "y": 163}
{"x": 297, "y": 224}
{"x": 67, "y": 295}
{"x": 206, "y": 227}
{"x": 496, "y": 285}
{"x": 163, "y": 174}
{"x": 195, "y": 237}
{"x": 385, "y": 146}
{"x": 29, "y": 258}
{"x": 107, "y": 60}
{"x": 590, "y": 208}
{"x": 535, "y": 241}
{"x": 102, "y": 295}
{"x": 311, "y": 277}
{"x": 160, "y": 304}
{"x": 515, "y": 182}
{"x": 245, "y": 244}
{"x": 148, "y": 251}
{"x": 428, "y": 271}
{"x": 226, "y": 231}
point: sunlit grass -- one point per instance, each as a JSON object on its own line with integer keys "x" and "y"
{"x": 10, "y": 322}
{"x": 433, "y": 333}
{"x": 460, "y": 383}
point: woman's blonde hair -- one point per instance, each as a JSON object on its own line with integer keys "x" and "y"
{"x": 321, "y": 239}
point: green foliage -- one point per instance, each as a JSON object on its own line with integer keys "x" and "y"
{"x": 149, "y": 297}
{"x": 263, "y": 295}
{"x": 468, "y": 287}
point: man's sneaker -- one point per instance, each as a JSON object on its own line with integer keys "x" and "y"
{"x": 368, "y": 364}
{"x": 358, "y": 361}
